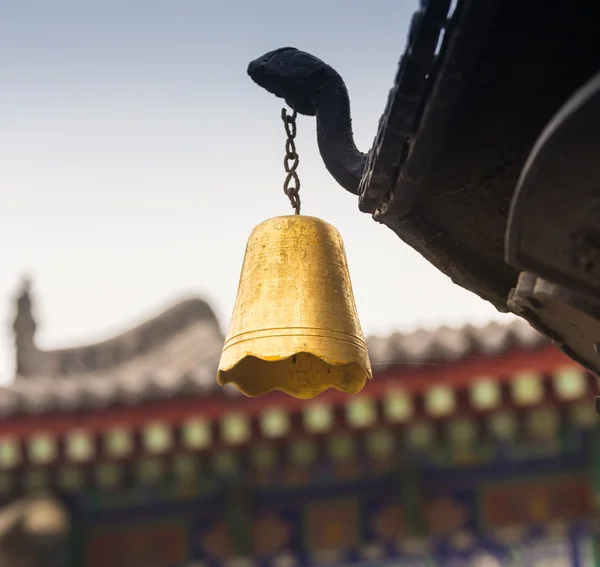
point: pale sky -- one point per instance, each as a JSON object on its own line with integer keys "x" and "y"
{"x": 136, "y": 156}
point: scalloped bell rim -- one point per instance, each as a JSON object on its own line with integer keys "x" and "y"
{"x": 302, "y": 375}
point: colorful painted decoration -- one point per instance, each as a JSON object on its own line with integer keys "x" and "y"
{"x": 80, "y": 446}
{"x": 331, "y": 525}
{"x": 42, "y": 449}
{"x": 398, "y": 406}
{"x": 150, "y": 545}
{"x": 275, "y": 423}
{"x": 10, "y": 453}
{"x": 118, "y": 442}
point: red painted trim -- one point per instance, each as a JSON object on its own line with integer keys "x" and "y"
{"x": 414, "y": 379}
{"x": 462, "y": 372}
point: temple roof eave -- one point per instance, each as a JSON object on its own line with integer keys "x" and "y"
{"x": 184, "y": 364}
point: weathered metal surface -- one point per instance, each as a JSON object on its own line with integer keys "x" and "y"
{"x": 295, "y": 326}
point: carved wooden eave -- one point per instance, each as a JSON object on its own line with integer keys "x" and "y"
{"x": 461, "y": 119}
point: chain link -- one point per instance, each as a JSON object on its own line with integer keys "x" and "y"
{"x": 291, "y": 185}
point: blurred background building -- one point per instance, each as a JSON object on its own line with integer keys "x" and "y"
{"x": 471, "y": 447}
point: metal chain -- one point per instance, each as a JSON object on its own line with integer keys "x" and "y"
{"x": 291, "y": 185}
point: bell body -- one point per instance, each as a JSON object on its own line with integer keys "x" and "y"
{"x": 295, "y": 327}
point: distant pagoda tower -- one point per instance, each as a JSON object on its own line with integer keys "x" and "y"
{"x": 24, "y": 329}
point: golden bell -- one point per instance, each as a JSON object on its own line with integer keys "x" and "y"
{"x": 295, "y": 327}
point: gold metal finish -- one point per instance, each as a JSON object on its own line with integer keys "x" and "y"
{"x": 295, "y": 327}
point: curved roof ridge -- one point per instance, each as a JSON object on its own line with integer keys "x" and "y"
{"x": 127, "y": 345}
